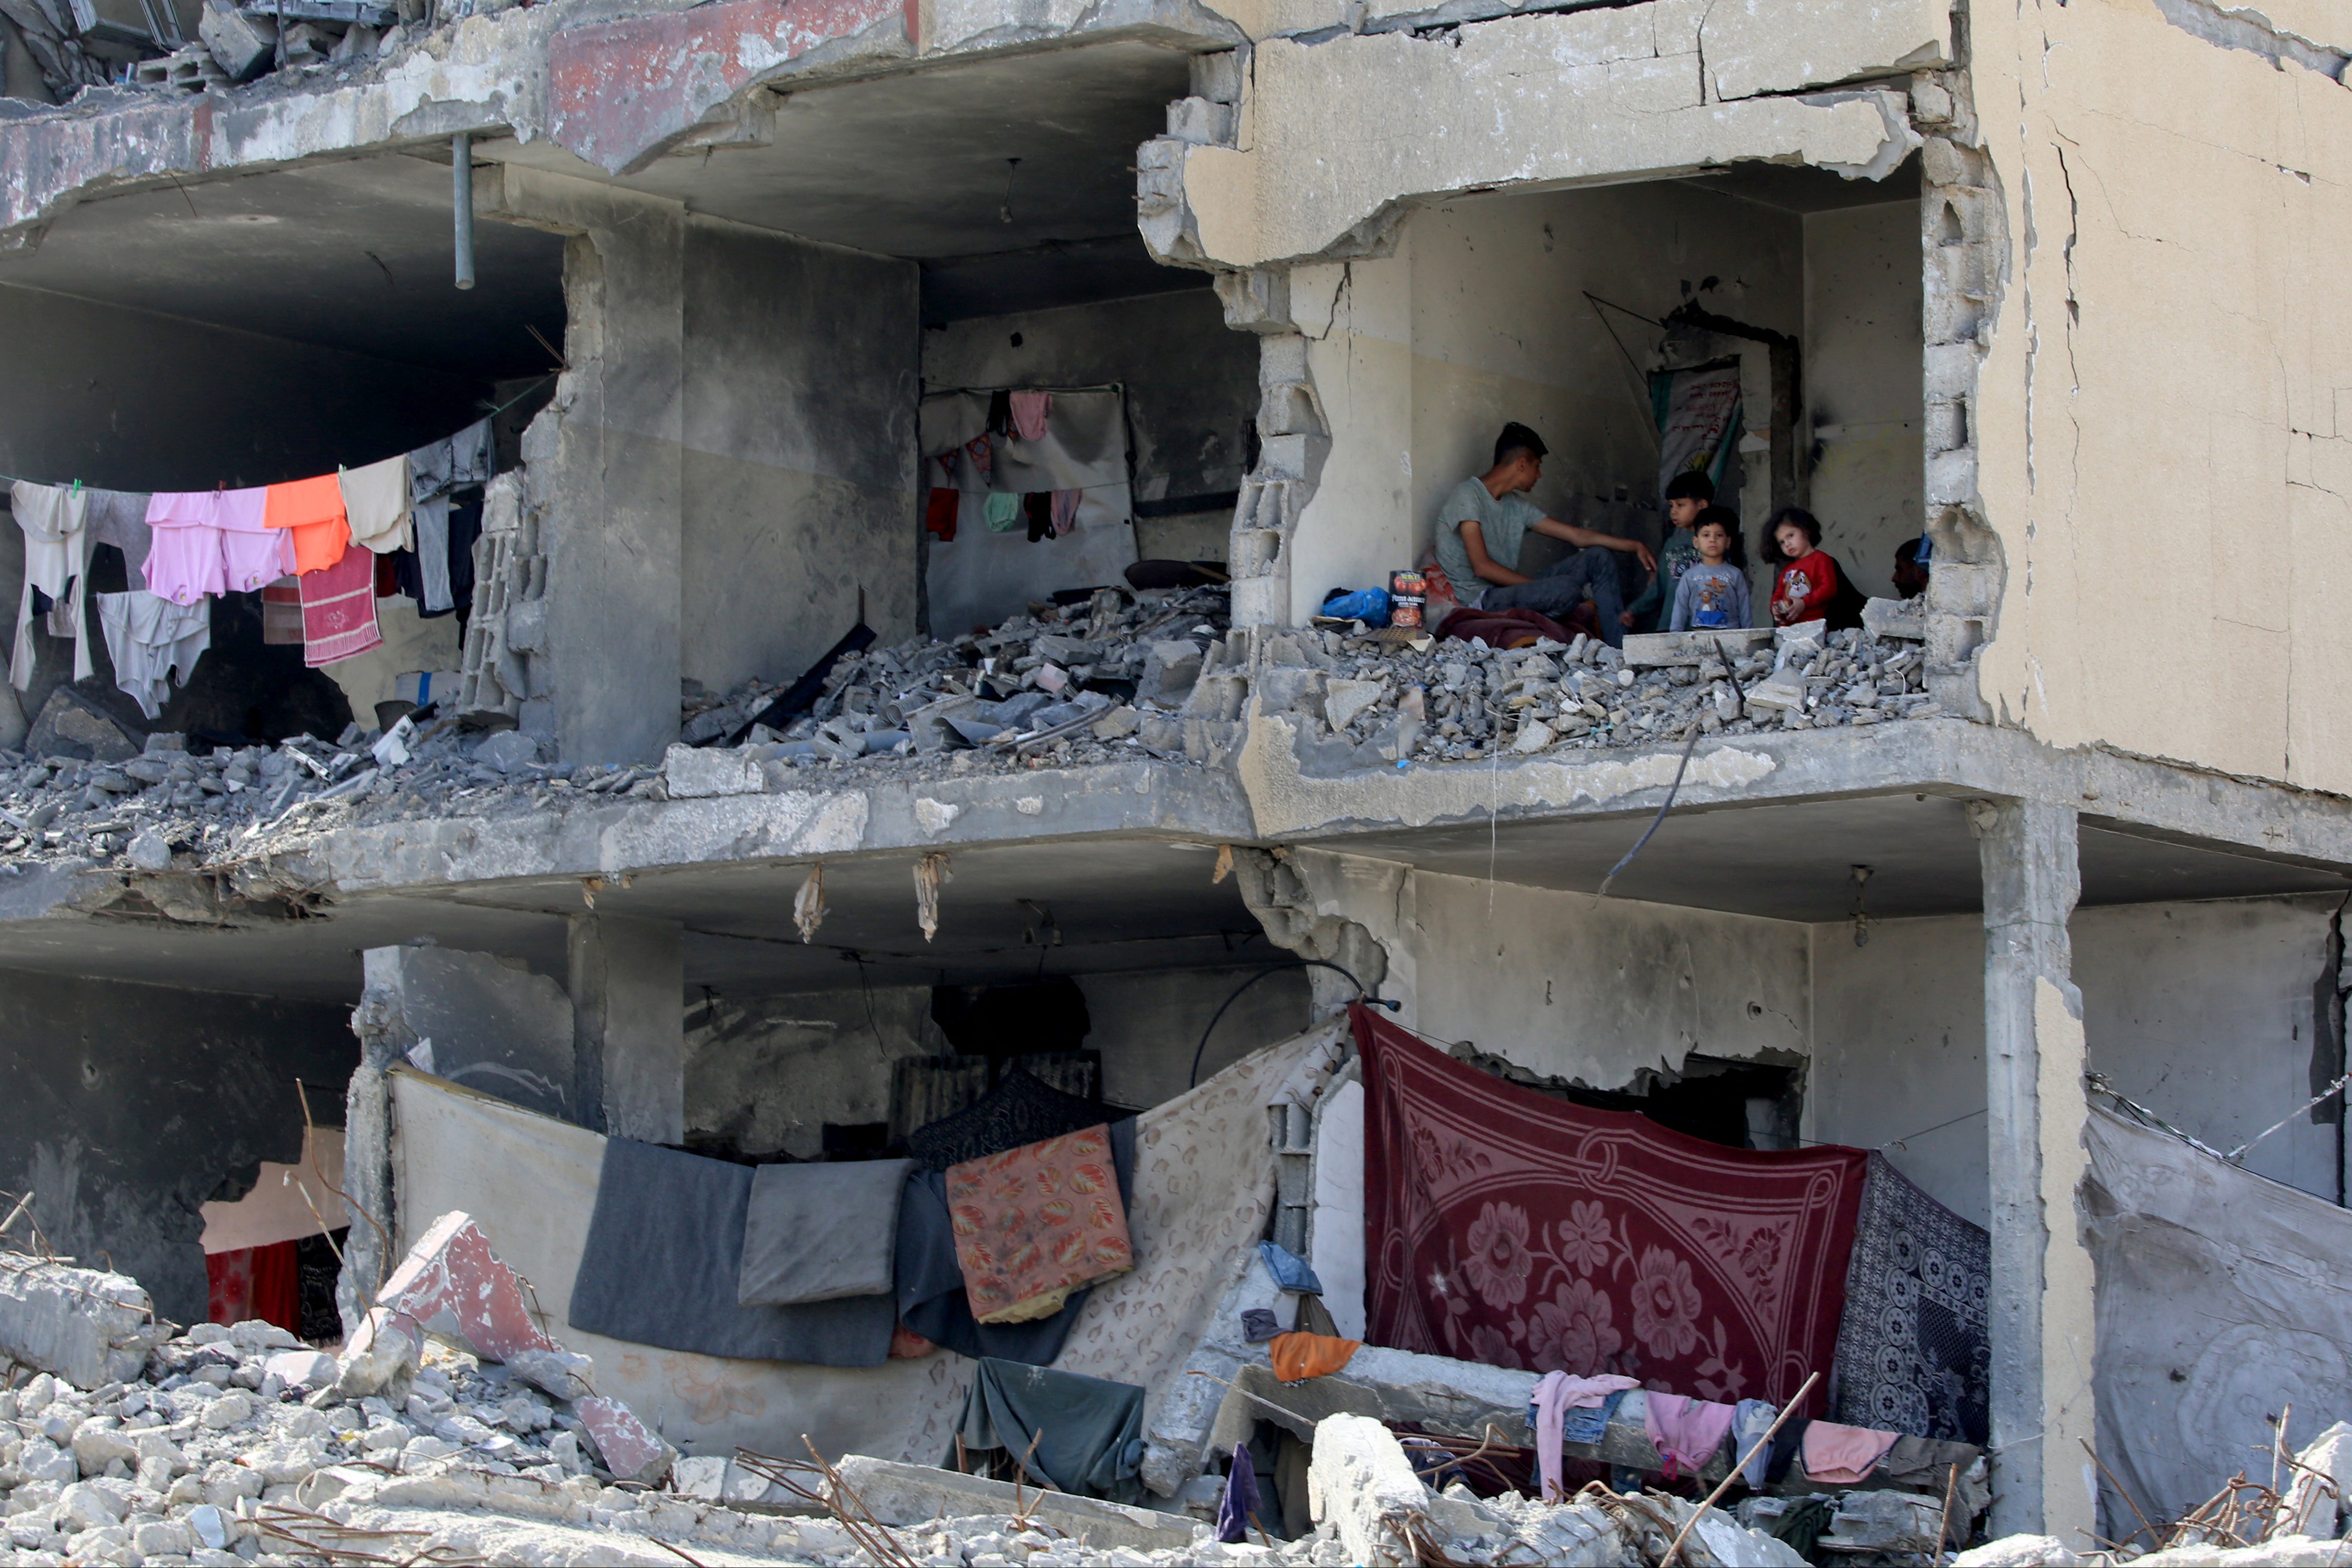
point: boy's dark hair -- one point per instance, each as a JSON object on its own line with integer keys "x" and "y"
{"x": 1691, "y": 486}
{"x": 1738, "y": 554}
{"x": 1797, "y": 515}
{"x": 1518, "y": 437}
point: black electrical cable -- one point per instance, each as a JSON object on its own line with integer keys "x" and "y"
{"x": 1362, "y": 995}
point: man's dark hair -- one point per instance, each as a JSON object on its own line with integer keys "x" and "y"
{"x": 1908, "y": 552}
{"x": 1738, "y": 554}
{"x": 1691, "y": 486}
{"x": 1805, "y": 520}
{"x": 1518, "y": 437}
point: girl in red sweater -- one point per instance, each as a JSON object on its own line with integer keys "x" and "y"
{"x": 1810, "y": 586}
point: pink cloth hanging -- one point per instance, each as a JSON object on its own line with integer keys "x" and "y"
{"x": 1558, "y": 1393}
{"x": 1065, "y": 511}
{"x": 1029, "y": 411}
{"x": 1686, "y": 1432}
{"x": 1843, "y": 1456}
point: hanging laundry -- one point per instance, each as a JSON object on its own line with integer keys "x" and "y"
{"x": 1557, "y": 1393}
{"x": 1021, "y": 1109}
{"x": 252, "y": 552}
{"x": 1038, "y": 507}
{"x": 1000, "y": 413}
{"x": 375, "y": 504}
{"x": 1065, "y": 511}
{"x": 1083, "y": 1434}
{"x": 1840, "y": 1455}
{"x": 819, "y": 1232}
{"x": 429, "y": 468}
{"x": 931, "y": 1289}
{"x": 429, "y": 560}
{"x": 282, "y": 612}
{"x": 1287, "y": 1269}
{"x": 1588, "y": 1424}
{"x": 119, "y": 517}
{"x": 464, "y": 531}
{"x": 1752, "y": 1418}
{"x": 183, "y": 554}
{"x": 471, "y": 456}
{"x": 939, "y": 513}
{"x": 150, "y": 641}
{"x": 387, "y": 578}
{"x": 1029, "y": 410}
{"x": 1259, "y": 1325}
{"x": 1914, "y": 1349}
{"x": 1787, "y": 1444}
{"x": 1299, "y": 1356}
{"x": 339, "y": 610}
{"x": 1035, "y": 1223}
{"x": 1686, "y": 1432}
{"x": 660, "y": 1267}
{"x": 54, "y": 519}
{"x": 1001, "y": 511}
{"x": 983, "y": 455}
{"x": 1238, "y": 1508}
{"x": 313, "y": 510}
{"x": 1721, "y": 1270}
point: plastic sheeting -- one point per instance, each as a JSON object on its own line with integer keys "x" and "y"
{"x": 2224, "y": 1298}
{"x": 530, "y": 1182}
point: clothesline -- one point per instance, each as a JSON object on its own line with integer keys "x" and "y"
{"x": 78, "y": 483}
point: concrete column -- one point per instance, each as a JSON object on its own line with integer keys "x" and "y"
{"x": 629, "y": 1012}
{"x": 2042, "y": 1307}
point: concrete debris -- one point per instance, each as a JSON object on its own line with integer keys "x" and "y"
{"x": 1065, "y": 685}
{"x": 1473, "y": 701}
{"x": 84, "y": 1326}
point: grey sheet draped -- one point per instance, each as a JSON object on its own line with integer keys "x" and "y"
{"x": 1089, "y": 1431}
{"x": 2223, "y": 1296}
{"x": 820, "y": 1232}
{"x": 663, "y": 1260}
{"x": 1914, "y": 1346}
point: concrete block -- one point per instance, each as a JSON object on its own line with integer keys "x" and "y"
{"x": 1170, "y": 668}
{"x": 1943, "y": 162}
{"x": 526, "y": 627}
{"x": 85, "y": 1326}
{"x": 71, "y": 725}
{"x": 1258, "y": 301}
{"x": 301, "y": 1368}
{"x": 1262, "y": 601}
{"x": 1282, "y": 358}
{"x": 1777, "y": 694}
{"x": 1787, "y": 637}
{"x": 1660, "y": 649}
{"x": 507, "y": 750}
{"x": 705, "y": 1477}
{"x": 1961, "y": 587}
{"x": 1360, "y": 1483}
{"x": 903, "y": 1494}
{"x": 1200, "y": 121}
{"x": 1903, "y": 618}
{"x": 495, "y": 1026}
{"x": 242, "y": 46}
{"x": 1290, "y": 457}
{"x": 1948, "y": 425}
{"x": 1218, "y": 76}
{"x": 699, "y": 773}
{"x": 1287, "y": 408}
{"x": 931, "y": 726}
{"x": 1951, "y": 371}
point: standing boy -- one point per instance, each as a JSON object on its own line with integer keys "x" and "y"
{"x": 1484, "y": 521}
{"x": 1712, "y": 594}
{"x": 1687, "y": 494}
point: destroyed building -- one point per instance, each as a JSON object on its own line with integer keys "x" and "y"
{"x": 848, "y": 647}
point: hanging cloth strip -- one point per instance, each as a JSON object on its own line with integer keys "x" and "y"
{"x": 252, "y": 554}
{"x": 339, "y": 610}
{"x": 57, "y": 557}
{"x": 183, "y": 552}
{"x": 313, "y": 510}
{"x": 375, "y": 504}
{"x": 150, "y": 641}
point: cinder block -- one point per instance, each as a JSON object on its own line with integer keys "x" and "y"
{"x": 1359, "y": 1482}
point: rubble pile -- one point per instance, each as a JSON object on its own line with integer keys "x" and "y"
{"x": 1453, "y": 701}
{"x": 1061, "y": 685}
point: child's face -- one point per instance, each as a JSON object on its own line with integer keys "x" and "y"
{"x": 1682, "y": 510}
{"x": 1794, "y": 545}
{"x": 1714, "y": 543}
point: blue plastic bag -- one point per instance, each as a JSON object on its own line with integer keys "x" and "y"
{"x": 1368, "y": 605}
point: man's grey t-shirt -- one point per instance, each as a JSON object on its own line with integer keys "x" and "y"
{"x": 1504, "y": 521}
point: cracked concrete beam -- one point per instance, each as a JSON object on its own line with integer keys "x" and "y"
{"x": 1336, "y": 135}
{"x": 1751, "y": 47}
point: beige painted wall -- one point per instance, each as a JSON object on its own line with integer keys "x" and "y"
{"x": 2166, "y": 414}
{"x": 1478, "y": 317}
{"x": 1863, "y": 388}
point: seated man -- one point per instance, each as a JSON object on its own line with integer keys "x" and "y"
{"x": 1484, "y": 519}
{"x": 1910, "y": 577}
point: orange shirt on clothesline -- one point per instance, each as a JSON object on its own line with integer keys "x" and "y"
{"x": 313, "y": 508}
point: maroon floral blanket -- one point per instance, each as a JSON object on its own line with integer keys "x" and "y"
{"x": 1508, "y": 1227}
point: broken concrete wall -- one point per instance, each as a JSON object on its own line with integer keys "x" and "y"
{"x": 126, "y": 400}
{"x": 1191, "y": 394}
{"x": 2157, "y": 381}
{"x": 2202, "y": 1012}
{"x": 1417, "y": 359}
{"x": 133, "y": 1106}
{"x": 799, "y": 366}
{"x": 1862, "y": 388}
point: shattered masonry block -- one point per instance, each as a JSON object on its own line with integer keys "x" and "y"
{"x": 452, "y": 1284}
{"x": 85, "y": 1325}
{"x": 696, "y": 773}
{"x": 1359, "y": 1482}
{"x": 1661, "y": 650}
{"x": 1903, "y": 618}
{"x": 632, "y": 1450}
{"x": 903, "y": 1494}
